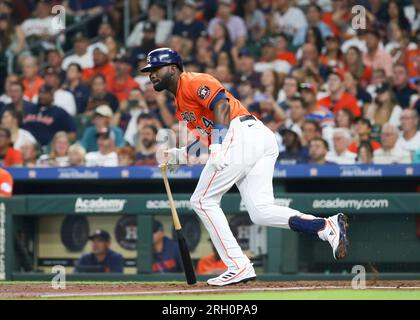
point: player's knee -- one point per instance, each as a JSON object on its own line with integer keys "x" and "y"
{"x": 258, "y": 216}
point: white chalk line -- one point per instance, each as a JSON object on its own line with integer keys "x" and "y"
{"x": 224, "y": 290}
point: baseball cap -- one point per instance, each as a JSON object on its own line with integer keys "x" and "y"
{"x": 244, "y": 52}
{"x": 80, "y": 37}
{"x": 383, "y": 87}
{"x": 157, "y": 226}
{"x": 190, "y": 3}
{"x": 101, "y": 47}
{"x": 149, "y": 26}
{"x": 307, "y": 86}
{"x": 225, "y": 2}
{"x": 338, "y": 72}
{"x": 292, "y": 129}
{"x": 104, "y": 110}
{"x": 101, "y": 235}
{"x": 46, "y": 88}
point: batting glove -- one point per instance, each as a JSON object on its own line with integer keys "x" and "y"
{"x": 176, "y": 156}
{"x": 217, "y": 158}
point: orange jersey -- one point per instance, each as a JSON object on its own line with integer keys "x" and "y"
{"x": 193, "y": 98}
{"x": 6, "y": 183}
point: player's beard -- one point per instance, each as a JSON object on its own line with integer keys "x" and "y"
{"x": 164, "y": 83}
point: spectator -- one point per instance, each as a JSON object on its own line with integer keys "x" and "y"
{"x": 114, "y": 48}
{"x": 416, "y": 100}
{"x": 363, "y": 130}
{"x": 401, "y": 88}
{"x": 220, "y": 39}
{"x": 102, "y": 258}
{"x": 297, "y": 112}
{"x": 313, "y": 110}
{"x": 332, "y": 57}
{"x": 234, "y": 24}
{"x": 163, "y": 27}
{"x": 12, "y": 121}
{"x": 58, "y": 157}
{"x": 146, "y": 149}
{"x": 412, "y": 55}
{"x": 106, "y": 156}
{"x": 5, "y": 97}
{"x": 9, "y": 157}
{"x": 44, "y": 120}
{"x": 122, "y": 83}
{"x": 340, "y": 153}
{"x": 344, "y": 119}
{"x": 376, "y": 57}
{"x": 245, "y": 66}
{"x": 12, "y": 37}
{"x": 378, "y": 79}
{"x": 126, "y": 157}
{"x": 410, "y": 137}
{"x": 81, "y": 55}
{"x": 18, "y": 103}
{"x": 211, "y": 264}
{"x": 30, "y": 154}
{"x": 55, "y": 61}
{"x": 101, "y": 119}
{"x": 166, "y": 252}
{"x": 385, "y": 109}
{"x": 365, "y": 153}
{"x": 254, "y": 18}
{"x": 412, "y": 12}
{"x": 101, "y": 65}
{"x": 282, "y": 46}
{"x": 390, "y": 152}
{"x": 396, "y": 15}
{"x": 148, "y": 42}
{"x": 290, "y": 89}
{"x": 62, "y": 98}
{"x": 353, "y": 63}
{"x": 338, "y": 98}
{"x": 31, "y": 81}
{"x": 294, "y": 152}
{"x": 80, "y": 91}
{"x": 245, "y": 91}
{"x": 134, "y": 107}
{"x": 187, "y": 25}
{"x": 290, "y": 20}
{"x": 364, "y": 99}
{"x": 269, "y": 60}
{"x": 143, "y": 120}
{"x": 6, "y": 184}
{"x": 314, "y": 16}
{"x": 99, "y": 95}
{"x": 76, "y": 155}
{"x": 318, "y": 149}
{"x": 41, "y": 26}
{"x": 309, "y": 64}
{"x": 311, "y": 129}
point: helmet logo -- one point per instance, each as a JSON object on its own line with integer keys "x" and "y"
{"x": 203, "y": 92}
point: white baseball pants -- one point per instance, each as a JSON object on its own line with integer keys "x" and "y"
{"x": 251, "y": 151}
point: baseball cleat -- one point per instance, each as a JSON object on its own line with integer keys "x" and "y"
{"x": 233, "y": 276}
{"x": 335, "y": 233}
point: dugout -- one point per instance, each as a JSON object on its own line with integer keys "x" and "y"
{"x": 381, "y": 202}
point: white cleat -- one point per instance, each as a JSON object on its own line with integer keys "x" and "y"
{"x": 232, "y": 276}
{"x": 335, "y": 232}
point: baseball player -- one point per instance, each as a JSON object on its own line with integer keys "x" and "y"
{"x": 243, "y": 151}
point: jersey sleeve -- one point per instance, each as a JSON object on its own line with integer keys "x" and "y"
{"x": 203, "y": 89}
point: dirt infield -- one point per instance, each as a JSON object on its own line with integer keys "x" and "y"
{"x": 25, "y": 290}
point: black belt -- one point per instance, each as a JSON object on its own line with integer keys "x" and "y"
{"x": 246, "y": 118}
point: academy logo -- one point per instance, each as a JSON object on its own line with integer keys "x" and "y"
{"x": 99, "y": 205}
{"x": 203, "y": 92}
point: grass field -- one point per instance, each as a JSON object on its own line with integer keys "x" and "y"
{"x": 387, "y": 290}
{"x": 289, "y": 295}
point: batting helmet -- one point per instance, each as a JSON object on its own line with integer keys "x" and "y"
{"x": 162, "y": 57}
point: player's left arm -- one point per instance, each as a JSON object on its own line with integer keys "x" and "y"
{"x": 221, "y": 117}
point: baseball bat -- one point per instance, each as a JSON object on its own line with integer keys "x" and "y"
{"x": 183, "y": 247}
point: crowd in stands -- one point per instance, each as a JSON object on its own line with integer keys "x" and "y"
{"x": 330, "y": 92}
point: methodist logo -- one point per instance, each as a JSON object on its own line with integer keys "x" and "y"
{"x": 99, "y": 205}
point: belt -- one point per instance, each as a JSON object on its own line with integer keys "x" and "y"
{"x": 245, "y": 118}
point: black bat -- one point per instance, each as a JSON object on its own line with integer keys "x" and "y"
{"x": 183, "y": 247}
